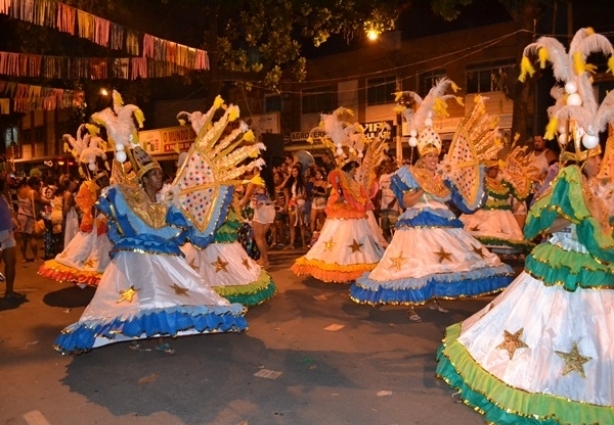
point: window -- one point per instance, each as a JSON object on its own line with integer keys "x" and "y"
{"x": 272, "y": 103}
{"x": 380, "y": 91}
{"x": 488, "y": 76}
{"x": 11, "y": 135}
{"x": 317, "y": 100}
{"x": 428, "y": 79}
{"x": 39, "y": 134}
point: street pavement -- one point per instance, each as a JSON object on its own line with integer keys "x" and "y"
{"x": 371, "y": 367}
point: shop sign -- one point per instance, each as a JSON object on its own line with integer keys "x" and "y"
{"x": 167, "y": 140}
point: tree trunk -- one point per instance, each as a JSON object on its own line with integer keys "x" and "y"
{"x": 525, "y": 16}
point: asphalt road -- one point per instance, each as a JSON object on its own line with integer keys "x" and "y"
{"x": 376, "y": 369}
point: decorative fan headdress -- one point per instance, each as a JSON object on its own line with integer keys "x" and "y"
{"x": 220, "y": 155}
{"x": 420, "y": 121}
{"x": 475, "y": 142}
{"x": 374, "y": 156}
{"x": 577, "y": 115}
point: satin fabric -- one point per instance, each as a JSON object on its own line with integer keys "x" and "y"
{"x": 494, "y": 224}
{"x": 563, "y": 317}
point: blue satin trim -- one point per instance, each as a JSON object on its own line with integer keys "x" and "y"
{"x": 421, "y": 290}
{"x": 150, "y": 244}
{"x": 158, "y": 322}
{"x": 428, "y": 217}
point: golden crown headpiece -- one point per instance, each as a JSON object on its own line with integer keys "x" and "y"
{"x": 420, "y": 113}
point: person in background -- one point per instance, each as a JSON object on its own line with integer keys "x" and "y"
{"x": 7, "y": 243}
{"x": 296, "y": 193}
{"x": 540, "y": 159}
{"x": 70, "y": 224}
{"x": 28, "y": 201}
{"x": 389, "y": 207}
{"x": 280, "y": 225}
{"x": 320, "y": 197}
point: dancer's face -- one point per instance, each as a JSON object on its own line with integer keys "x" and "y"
{"x": 154, "y": 179}
{"x": 430, "y": 161}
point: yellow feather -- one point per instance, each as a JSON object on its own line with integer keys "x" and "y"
{"x": 551, "y": 128}
{"x": 589, "y": 67}
{"x": 182, "y": 121}
{"x": 525, "y": 68}
{"x": 117, "y": 98}
{"x": 516, "y": 137}
{"x": 455, "y": 88}
{"x": 398, "y": 95}
{"x": 460, "y": 100}
{"x": 398, "y": 109}
{"x": 611, "y": 65}
{"x": 310, "y": 140}
{"x": 92, "y": 129}
{"x": 176, "y": 148}
{"x": 66, "y": 147}
{"x": 257, "y": 180}
{"x": 578, "y": 63}
{"x": 590, "y": 31}
{"x": 543, "y": 57}
{"x": 140, "y": 117}
{"x": 218, "y": 102}
{"x": 249, "y": 136}
{"x": 233, "y": 114}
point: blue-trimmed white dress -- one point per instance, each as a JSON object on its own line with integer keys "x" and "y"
{"x": 430, "y": 255}
{"x": 148, "y": 290}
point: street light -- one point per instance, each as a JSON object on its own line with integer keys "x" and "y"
{"x": 391, "y": 42}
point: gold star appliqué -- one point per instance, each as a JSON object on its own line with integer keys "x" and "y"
{"x": 355, "y": 246}
{"x": 512, "y": 342}
{"x": 179, "y": 290}
{"x": 127, "y": 294}
{"x": 573, "y": 360}
{"x": 443, "y": 255}
{"x": 246, "y": 264}
{"x": 220, "y": 264}
{"x": 397, "y": 261}
{"x": 328, "y": 245}
{"x": 479, "y": 251}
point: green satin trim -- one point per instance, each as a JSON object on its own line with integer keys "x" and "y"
{"x": 565, "y": 200}
{"x": 229, "y": 231}
{"x": 502, "y": 242}
{"x": 556, "y": 266}
{"x": 504, "y": 405}
{"x": 251, "y": 294}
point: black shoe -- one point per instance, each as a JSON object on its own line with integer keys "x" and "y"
{"x": 14, "y": 295}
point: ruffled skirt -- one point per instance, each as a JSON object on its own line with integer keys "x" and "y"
{"x": 83, "y": 261}
{"x": 144, "y": 296}
{"x": 345, "y": 249}
{"x": 230, "y": 272}
{"x": 541, "y": 352}
{"x": 496, "y": 229}
{"x": 424, "y": 263}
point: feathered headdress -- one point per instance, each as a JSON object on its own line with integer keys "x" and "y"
{"x": 578, "y": 117}
{"x": 347, "y": 139}
{"x": 120, "y": 124}
{"x": 420, "y": 120}
{"x": 374, "y": 156}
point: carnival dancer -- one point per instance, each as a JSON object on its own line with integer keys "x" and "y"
{"x": 508, "y": 184}
{"x": 149, "y": 290}
{"x": 86, "y": 256}
{"x": 431, "y": 256}
{"x": 540, "y": 353}
{"x": 224, "y": 264}
{"x": 346, "y": 247}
